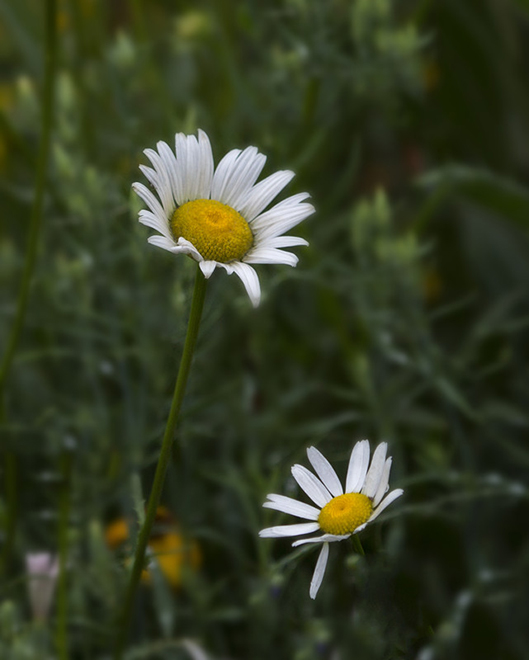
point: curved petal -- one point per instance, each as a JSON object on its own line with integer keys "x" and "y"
{"x": 375, "y": 470}
{"x": 391, "y": 497}
{"x": 319, "y": 571}
{"x": 258, "y": 198}
{"x": 188, "y": 158}
{"x": 267, "y": 255}
{"x": 148, "y": 219}
{"x": 249, "y": 279}
{"x": 326, "y": 538}
{"x": 311, "y": 485}
{"x": 190, "y": 249}
{"x": 356, "y": 472}
{"x": 166, "y": 244}
{"x": 207, "y": 268}
{"x": 291, "y": 506}
{"x": 160, "y": 179}
{"x": 288, "y": 530}
{"x": 325, "y": 471}
{"x": 384, "y": 483}
{"x": 150, "y": 200}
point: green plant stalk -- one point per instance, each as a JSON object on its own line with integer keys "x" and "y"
{"x": 50, "y": 56}
{"x": 195, "y": 315}
{"x": 61, "y": 633}
{"x": 358, "y": 545}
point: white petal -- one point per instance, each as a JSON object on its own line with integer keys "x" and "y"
{"x": 207, "y": 268}
{"x": 249, "y": 279}
{"x": 358, "y": 463}
{"x": 205, "y": 166}
{"x": 280, "y": 219}
{"x": 190, "y": 249}
{"x": 188, "y": 162}
{"x": 149, "y": 199}
{"x": 263, "y": 193}
{"x": 288, "y": 530}
{"x": 375, "y": 471}
{"x": 311, "y": 485}
{"x": 222, "y": 173}
{"x": 266, "y": 255}
{"x": 292, "y": 506}
{"x": 325, "y": 471}
{"x": 148, "y": 219}
{"x": 384, "y": 482}
{"x": 326, "y": 538}
{"x": 319, "y": 571}
{"x": 283, "y": 242}
{"x": 391, "y": 497}
{"x": 173, "y": 169}
{"x": 243, "y": 174}
{"x": 160, "y": 179}
{"x": 165, "y": 243}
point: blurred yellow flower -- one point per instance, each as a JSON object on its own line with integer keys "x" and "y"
{"x": 167, "y": 546}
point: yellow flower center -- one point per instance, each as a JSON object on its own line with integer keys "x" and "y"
{"x": 216, "y": 230}
{"x": 343, "y": 514}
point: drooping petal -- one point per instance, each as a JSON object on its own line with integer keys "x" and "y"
{"x": 291, "y": 506}
{"x": 325, "y": 471}
{"x": 190, "y": 249}
{"x": 391, "y": 497}
{"x": 258, "y": 198}
{"x": 319, "y": 571}
{"x": 207, "y": 268}
{"x": 375, "y": 470}
{"x": 357, "y": 469}
{"x": 325, "y": 538}
{"x": 249, "y": 279}
{"x": 311, "y": 485}
{"x": 288, "y": 530}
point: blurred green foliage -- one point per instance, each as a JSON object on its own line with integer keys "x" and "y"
{"x": 406, "y": 320}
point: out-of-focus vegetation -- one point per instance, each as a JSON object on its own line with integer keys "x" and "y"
{"x": 406, "y": 320}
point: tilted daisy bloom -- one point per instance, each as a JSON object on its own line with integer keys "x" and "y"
{"x": 217, "y": 216}
{"x": 338, "y": 513}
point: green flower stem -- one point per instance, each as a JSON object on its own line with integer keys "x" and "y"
{"x": 29, "y": 262}
{"x": 195, "y": 315}
{"x": 358, "y": 545}
{"x": 61, "y": 634}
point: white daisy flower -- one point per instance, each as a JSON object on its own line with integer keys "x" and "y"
{"x": 339, "y": 513}
{"x": 217, "y": 216}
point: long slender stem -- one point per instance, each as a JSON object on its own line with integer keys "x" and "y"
{"x": 61, "y": 635}
{"x": 165, "y": 454}
{"x": 29, "y": 266}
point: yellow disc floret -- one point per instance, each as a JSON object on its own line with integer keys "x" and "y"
{"x": 343, "y": 514}
{"x": 216, "y": 230}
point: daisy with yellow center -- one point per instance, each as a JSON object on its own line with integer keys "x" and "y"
{"x": 338, "y": 513}
{"x": 217, "y": 216}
